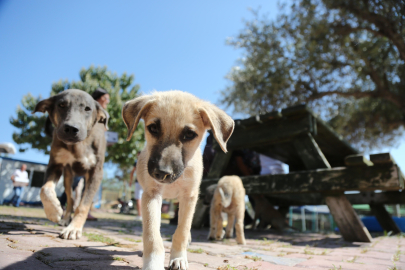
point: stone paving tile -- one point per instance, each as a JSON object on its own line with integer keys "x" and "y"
{"x": 31, "y": 242}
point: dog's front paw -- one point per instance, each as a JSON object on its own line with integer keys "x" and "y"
{"x": 71, "y": 232}
{"x": 220, "y": 236}
{"x": 65, "y": 221}
{"x": 52, "y": 207}
{"x": 153, "y": 262}
{"x": 178, "y": 263}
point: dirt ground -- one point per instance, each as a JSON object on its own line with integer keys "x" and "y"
{"x": 29, "y": 241}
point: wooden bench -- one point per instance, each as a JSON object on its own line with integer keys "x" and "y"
{"x": 322, "y": 167}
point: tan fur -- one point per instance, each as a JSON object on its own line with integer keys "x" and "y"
{"x": 174, "y": 110}
{"x": 229, "y": 197}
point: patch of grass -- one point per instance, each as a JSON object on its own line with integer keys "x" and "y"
{"x": 205, "y": 264}
{"x": 129, "y": 239}
{"x": 325, "y": 252}
{"x": 240, "y": 267}
{"x": 133, "y": 240}
{"x": 70, "y": 259}
{"x": 335, "y": 268}
{"x": 396, "y": 256}
{"x": 42, "y": 259}
{"x": 12, "y": 240}
{"x": 92, "y": 252}
{"x": 352, "y": 260}
{"x": 125, "y": 245}
{"x": 12, "y": 246}
{"x": 281, "y": 255}
{"x": 118, "y": 259}
{"x": 307, "y": 251}
{"x": 93, "y": 237}
{"x": 268, "y": 242}
{"x": 364, "y": 250}
{"x": 227, "y": 267}
{"x": 198, "y": 250}
{"x": 254, "y": 258}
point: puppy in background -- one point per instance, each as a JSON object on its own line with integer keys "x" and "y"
{"x": 265, "y": 212}
{"x": 229, "y": 197}
{"x": 170, "y": 165}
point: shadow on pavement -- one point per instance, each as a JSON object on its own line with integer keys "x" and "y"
{"x": 75, "y": 258}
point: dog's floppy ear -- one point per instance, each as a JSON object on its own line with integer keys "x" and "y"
{"x": 221, "y": 124}
{"x": 102, "y": 115}
{"x": 44, "y": 105}
{"x": 134, "y": 110}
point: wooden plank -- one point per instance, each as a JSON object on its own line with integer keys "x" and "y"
{"x": 349, "y": 224}
{"x": 384, "y": 218}
{"x": 219, "y": 164}
{"x": 273, "y": 133}
{"x": 257, "y": 119}
{"x": 332, "y": 139}
{"x": 310, "y": 152}
{"x": 358, "y": 160}
{"x": 389, "y": 197}
{"x": 297, "y": 109}
{"x": 387, "y": 178}
{"x": 383, "y": 158}
{"x": 370, "y": 197}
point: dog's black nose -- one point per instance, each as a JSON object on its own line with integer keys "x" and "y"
{"x": 162, "y": 174}
{"x": 70, "y": 130}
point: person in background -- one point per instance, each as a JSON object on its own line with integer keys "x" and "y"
{"x": 102, "y": 97}
{"x": 138, "y": 189}
{"x": 270, "y": 165}
{"x": 20, "y": 180}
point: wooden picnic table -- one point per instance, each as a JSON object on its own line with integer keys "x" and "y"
{"x": 322, "y": 166}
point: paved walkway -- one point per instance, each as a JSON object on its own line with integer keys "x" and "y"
{"x": 29, "y": 241}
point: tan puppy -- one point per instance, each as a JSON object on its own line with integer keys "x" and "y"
{"x": 170, "y": 165}
{"x": 229, "y": 197}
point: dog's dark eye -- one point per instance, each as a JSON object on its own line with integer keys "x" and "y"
{"x": 153, "y": 129}
{"x": 87, "y": 109}
{"x": 189, "y": 135}
{"x": 62, "y": 105}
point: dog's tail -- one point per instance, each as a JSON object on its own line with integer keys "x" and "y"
{"x": 48, "y": 127}
{"x": 226, "y": 200}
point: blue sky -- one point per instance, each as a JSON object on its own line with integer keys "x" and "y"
{"x": 166, "y": 44}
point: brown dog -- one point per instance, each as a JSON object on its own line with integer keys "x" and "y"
{"x": 78, "y": 147}
{"x": 170, "y": 165}
{"x": 229, "y": 197}
{"x": 267, "y": 214}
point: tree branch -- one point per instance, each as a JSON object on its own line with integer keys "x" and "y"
{"x": 386, "y": 27}
{"x": 356, "y": 95}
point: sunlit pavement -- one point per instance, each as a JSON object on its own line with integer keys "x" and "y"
{"x": 29, "y": 241}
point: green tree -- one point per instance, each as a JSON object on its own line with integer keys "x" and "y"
{"x": 345, "y": 59}
{"x": 121, "y": 89}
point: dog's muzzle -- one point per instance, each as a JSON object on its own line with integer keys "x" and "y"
{"x": 164, "y": 176}
{"x": 70, "y": 134}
